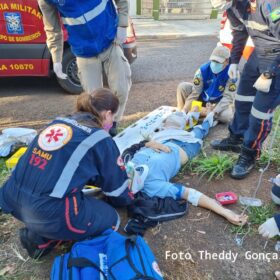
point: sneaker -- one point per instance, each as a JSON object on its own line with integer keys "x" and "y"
{"x": 231, "y": 143}
{"x": 32, "y": 248}
{"x": 113, "y": 130}
{"x": 245, "y": 163}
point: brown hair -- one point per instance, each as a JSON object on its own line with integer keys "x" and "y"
{"x": 99, "y": 100}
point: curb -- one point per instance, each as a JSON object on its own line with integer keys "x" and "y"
{"x": 171, "y": 36}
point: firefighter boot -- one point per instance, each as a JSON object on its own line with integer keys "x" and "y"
{"x": 28, "y": 241}
{"x": 231, "y": 143}
{"x": 245, "y": 163}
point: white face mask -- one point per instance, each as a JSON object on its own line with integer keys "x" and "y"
{"x": 221, "y": 4}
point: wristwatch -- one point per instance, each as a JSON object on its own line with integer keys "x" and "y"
{"x": 268, "y": 74}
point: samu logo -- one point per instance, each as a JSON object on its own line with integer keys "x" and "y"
{"x": 13, "y": 23}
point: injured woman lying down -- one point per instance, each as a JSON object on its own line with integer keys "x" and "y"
{"x": 170, "y": 148}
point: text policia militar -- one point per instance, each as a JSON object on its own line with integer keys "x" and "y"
{"x": 221, "y": 256}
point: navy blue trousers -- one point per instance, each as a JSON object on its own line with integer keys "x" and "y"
{"x": 76, "y": 217}
{"x": 254, "y": 109}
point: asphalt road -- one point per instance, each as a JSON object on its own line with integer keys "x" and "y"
{"x": 169, "y": 60}
{"x": 160, "y": 66}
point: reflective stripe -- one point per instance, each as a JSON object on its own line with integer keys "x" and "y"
{"x": 74, "y": 21}
{"x": 166, "y": 215}
{"x": 259, "y": 136}
{"x": 73, "y": 163}
{"x": 67, "y": 219}
{"x": 87, "y": 16}
{"x": 244, "y": 98}
{"x": 118, "y": 191}
{"x": 255, "y": 25}
{"x": 116, "y": 227}
{"x": 260, "y": 115}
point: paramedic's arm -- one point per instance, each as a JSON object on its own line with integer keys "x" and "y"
{"x": 53, "y": 30}
{"x": 240, "y": 37}
{"x": 122, "y": 6}
{"x": 272, "y": 17}
{"x": 112, "y": 178}
{"x": 228, "y": 97}
{"x": 197, "y": 90}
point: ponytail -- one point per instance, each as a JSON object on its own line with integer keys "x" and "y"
{"x": 99, "y": 100}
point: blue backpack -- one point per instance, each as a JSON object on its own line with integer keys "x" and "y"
{"x": 110, "y": 256}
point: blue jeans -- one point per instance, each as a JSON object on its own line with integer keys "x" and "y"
{"x": 192, "y": 149}
{"x": 163, "y": 166}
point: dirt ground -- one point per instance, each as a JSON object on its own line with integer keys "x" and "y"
{"x": 200, "y": 230}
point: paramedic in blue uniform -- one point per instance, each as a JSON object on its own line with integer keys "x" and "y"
{"x": 211, "y": 84}
{"x": 45, "y": 189}
{"x": 259, "y": 90}
{"x": 95, "y": 30}
{"x": 271, "y": 227}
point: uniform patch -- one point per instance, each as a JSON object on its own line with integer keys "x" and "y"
{"x": 196, "y": 81}
{"x": 232, "y": 87}
{"x": 221, "y": 88}
{"x": 55, "y": 137}
{"x": 275, "y": 15}
{"x": 13, "y": 23}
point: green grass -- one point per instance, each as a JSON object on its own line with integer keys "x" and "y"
{"x": 275, "y": 151}
{"x": 4, "y": 172}
{"x": 213, "y": 166}
{"x": 257, "y": 216}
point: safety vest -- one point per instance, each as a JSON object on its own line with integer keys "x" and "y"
{"x": 91, "y": 25}
{"x": 213, "y": 84}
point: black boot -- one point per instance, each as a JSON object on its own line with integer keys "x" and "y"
{"x": 27, "y": 241}
{"x": 113, "y": 130}
{"x": 245, "y": 163}
{"x": 231, "y": 143}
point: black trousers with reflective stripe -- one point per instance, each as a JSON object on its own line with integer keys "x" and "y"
{"x": 254, "y": 109}
{"x": 77, "y": 222}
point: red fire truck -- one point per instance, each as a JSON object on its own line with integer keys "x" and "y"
{"x": 23, "y": 49}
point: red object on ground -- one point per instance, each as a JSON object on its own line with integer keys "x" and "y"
{"x": 226, "y": 198}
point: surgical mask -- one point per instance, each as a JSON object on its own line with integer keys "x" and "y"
{"x": 221, "y": 4}
{"x": 107, "y": 126}
{"x": 216, "y": 67}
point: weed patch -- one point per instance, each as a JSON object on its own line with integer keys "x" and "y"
{"x": 214, "y": 166}
{"x": 257, "y": 216}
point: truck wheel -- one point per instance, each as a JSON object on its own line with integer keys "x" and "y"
{"x": 72, "y": 84}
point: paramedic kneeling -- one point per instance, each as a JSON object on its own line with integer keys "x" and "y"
{"x": 211, "y": 84}
{"x": 45, "y": 189}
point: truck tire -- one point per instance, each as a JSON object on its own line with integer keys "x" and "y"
{"x": 72, "y": 84}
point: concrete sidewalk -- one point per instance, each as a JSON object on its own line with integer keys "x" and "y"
{"x": 175, "y": 29}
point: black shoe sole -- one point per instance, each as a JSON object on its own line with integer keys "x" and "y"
{"x": 232, "y": 148}
{"x": 240, "y": 177}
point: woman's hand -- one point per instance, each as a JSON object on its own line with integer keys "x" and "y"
{"x": 158, "y": 147}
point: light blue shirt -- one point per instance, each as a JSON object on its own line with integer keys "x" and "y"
{"x": 162, "y": 167}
